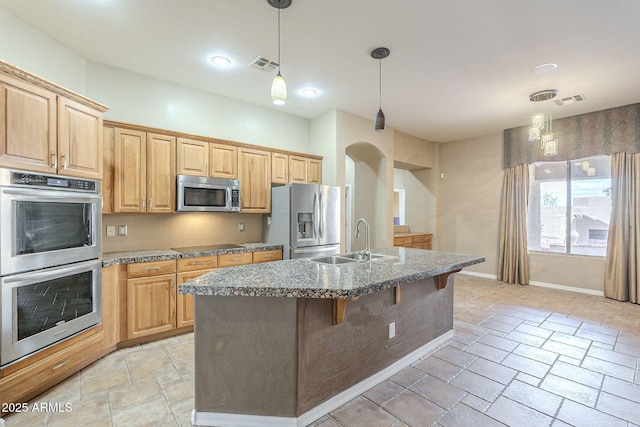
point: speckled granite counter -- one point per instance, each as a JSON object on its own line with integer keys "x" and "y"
{"x": 129, "y": 257}
{"x": 327, "y": 343}
{"x": 302, "y": 278}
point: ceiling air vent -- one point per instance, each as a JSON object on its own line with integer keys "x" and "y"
{"x": 264, "y": 64}
{"x": 570, "y": 100}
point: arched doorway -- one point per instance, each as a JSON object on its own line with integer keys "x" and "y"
{"x": 366, "y": 180}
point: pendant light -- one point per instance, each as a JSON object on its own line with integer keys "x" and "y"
{"x": 380, "y": 53}
{"x": 541, "y": 124}
{"x": 279, "y": 86}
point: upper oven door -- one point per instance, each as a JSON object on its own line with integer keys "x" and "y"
{"x": 44, "y": 228}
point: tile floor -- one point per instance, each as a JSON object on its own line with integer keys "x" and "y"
{"x": 521, "y": 356}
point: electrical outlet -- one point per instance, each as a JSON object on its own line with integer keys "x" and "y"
{"x": 111, "y": 230}
{"x": 241, "y": 226}
{"x": 392, "y": 330}
{"x": 122, "y": 230}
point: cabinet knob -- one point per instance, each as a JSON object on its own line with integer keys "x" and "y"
{"x": 54, "y": 160}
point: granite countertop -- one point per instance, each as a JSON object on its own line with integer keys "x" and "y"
{"x": 130, "y": 257}
{"x": 301, "y": 278}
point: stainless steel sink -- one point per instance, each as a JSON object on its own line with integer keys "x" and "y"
{"x": 352, "y": 257}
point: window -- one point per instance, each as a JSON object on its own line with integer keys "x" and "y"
{"x": 570, "y": 206}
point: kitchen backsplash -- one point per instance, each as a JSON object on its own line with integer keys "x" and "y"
{"x": 158, "y": 231}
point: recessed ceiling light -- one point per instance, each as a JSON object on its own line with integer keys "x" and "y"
{"x": 544, "y": 68}
{"x": 221, "y": 61}
{"x": 310, "y": 92}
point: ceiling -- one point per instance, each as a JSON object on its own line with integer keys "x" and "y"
{"x": 457, "y": 69}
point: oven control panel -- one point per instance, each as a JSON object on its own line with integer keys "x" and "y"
{"x": 53, "y": 181}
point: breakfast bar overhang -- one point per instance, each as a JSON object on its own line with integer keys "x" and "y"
{"x": 284, "y": 343}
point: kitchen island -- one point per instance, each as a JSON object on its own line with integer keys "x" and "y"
{"x": 284, "y": 343}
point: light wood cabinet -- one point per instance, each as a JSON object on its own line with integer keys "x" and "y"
{"x": 279, "y": 168}
{"x": 286, "y": 168}
{"x": 188, "y": 269}
{"x": 28, "y": 135}
{"x": 42, "y": 131}
{"x": 413, "y": 240}
{"x": 201, "y": 158}
{"x": 79, "y": 140}
{"x": 151, "y": 298}
{"x": 315, "y": 171}
{"x": 254, "y": 173}
{"x": 267, "y": 256}
{"x": 35, "y": 377}
{"x": 143, "y": 172}
{"x": 130, "y": 171}
{"x": 298, "y": 169}
{"x": 223, "y": 161}
{"x": 229, "y": 260}
{"x": 161, "y": 173}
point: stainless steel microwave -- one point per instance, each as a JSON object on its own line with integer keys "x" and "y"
{"x": 202, "y": 194}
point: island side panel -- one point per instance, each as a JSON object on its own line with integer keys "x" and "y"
{"x": 245, "y": 355}
{"x": 332, "y": 358}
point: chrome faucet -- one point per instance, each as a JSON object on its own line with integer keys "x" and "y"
{"x": 367, "y": 249}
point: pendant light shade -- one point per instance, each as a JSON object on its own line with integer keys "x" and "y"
{"x": 278, "y": 90}
{"x": 380, "y": 53}
{"x": 279, "y": 86}
{"x": 380, "y": 122}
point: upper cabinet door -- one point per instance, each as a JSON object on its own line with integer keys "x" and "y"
{"x": 27, "y": 126}
{"x": 192, "y": 157}
{"x": 79, "y": 140}
{"x": 223, "y": 161}
{"x": 254, "y": 172}
{"x": 130, "y": 170}
{"x": 315, "y": 171}
{"x": 161, "y": 173}
{"x": 279, "y": 168}
{"x": 298, "y": 169}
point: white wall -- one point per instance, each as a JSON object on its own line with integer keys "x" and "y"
{"x": 139, "y": 99}
{"x": 27, "y": 48}
{"x": 420, "y": 197}
{"x": 322, "y": 141}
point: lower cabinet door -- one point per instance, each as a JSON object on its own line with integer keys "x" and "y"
{"x": 151, "y": 305}
{"x": 185, "y": 303}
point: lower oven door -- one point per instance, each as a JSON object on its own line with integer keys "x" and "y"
{"x": 42, "y": 307}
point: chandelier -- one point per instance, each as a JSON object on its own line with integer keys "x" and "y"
{"x": 541, "y": 124}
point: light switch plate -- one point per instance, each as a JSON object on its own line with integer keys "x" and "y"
{"x": 392, "y": 330}
{"x": 122, "y": 230}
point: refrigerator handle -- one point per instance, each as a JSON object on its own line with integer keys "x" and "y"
{"x": 315, "y": 213}
{"x": 321, "y": 216}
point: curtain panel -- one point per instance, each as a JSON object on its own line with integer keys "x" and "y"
{"x": 513, "y": 257}
{"x": 607, "y": 132}
{"x": 622, "y": 266}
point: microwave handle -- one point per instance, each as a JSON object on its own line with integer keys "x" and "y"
{"x": 228, "y": 198}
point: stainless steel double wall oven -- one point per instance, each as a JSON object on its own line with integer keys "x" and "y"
{"x": 50, "y": 270}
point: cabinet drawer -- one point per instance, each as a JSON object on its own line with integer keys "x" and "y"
{"x": 422, "y": 238}
{"x": 425, "y": 245}
{"x": 402, "y": 241}
{"x": 54, "y": 368}
{"x": 153, "y": 268}
{"x": 266, "y": 256}
{"x": 197, "y": 263}
{"x": 227, "y": 260}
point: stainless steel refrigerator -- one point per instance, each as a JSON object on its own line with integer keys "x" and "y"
{"x": 305, "y": 219}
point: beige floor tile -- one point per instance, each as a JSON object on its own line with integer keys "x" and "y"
{"x": 513, "y": 413}
{"x": 134, "y": 394}
{"x": 572, "y": 390}
{"x": 526, "y": 365}
{"x": 413, "y": 409}
{"x": 478, "y": 385}
{"x": 326, "y": 421}
{"x": 533, "y": 397}
{"x": 179, "y": 390}
{"x": 360, "y": 412}
{"x": 152, "y": 368}
{"x": 103, "y": 383}
{"x": 150, "y": 414}
{"x": 82, "y": 412}
{"x": 144, "y": 355}
{"x": 455, "y": 356}
{"x": 486, "y": 351}
{"x": 182, "y": 412}
{"x": 619, "y": 407}
{"x": 408, "y": 376}
{"x": 179, "y": 351}
{"x": 579, "y": 415}
{"x": 463, "y": 415}
{"x": 492, "y": 370}
{"x": 608, "y": 368}
{"x": 577, "y": 374}
{"x": 383, "y": 392}
{"x": 541, "y": 355}
{"x": 105, "y": 365}
{"x": 29, "y": 418}
{"x": 437, "y": 391}
{"x": 438, "y": 368}
{"x": 186, "y": 366}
